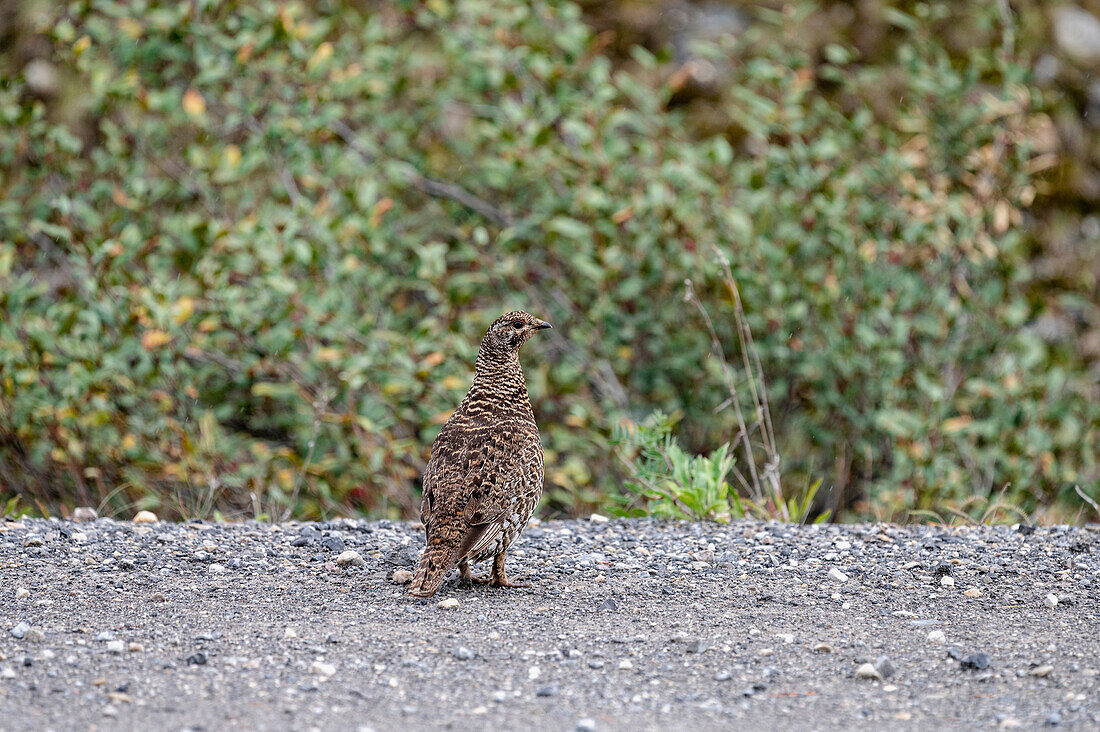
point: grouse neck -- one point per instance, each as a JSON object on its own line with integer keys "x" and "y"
{"x": 501, "y": 374}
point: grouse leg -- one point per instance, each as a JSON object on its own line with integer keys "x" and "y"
{"x": 468, "y": 579}
{"x": 499, "y": 579}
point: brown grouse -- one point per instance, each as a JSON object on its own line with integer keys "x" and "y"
{"x": 485, "y": 473}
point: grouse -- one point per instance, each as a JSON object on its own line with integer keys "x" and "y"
{"x": 485, "y": 472}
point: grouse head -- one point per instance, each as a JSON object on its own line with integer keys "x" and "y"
{"x": 510, "y": 331}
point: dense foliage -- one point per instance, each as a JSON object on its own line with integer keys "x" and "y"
{"x": 247, "y": 250}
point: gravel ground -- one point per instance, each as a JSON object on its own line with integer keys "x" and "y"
{"x": 628, "y": 624}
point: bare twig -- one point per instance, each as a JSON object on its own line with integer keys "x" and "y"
{"x": 743, "y": 431}
{"x": 1085, "y": 497}
{"x": 435, "y": 188}
{"x": 305, "y": 465}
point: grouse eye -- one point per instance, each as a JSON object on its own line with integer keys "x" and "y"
{"x": 517, "y": 324}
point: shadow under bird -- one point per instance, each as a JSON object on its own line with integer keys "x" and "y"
{"x": 485, "y": 473}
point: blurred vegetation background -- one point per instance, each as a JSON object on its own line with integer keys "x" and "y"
{"x": 248, "y": 250}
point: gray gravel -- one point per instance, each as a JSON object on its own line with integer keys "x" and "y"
{"x": 631, "y": 624}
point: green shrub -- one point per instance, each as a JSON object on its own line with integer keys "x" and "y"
{"x": 248, "y": 250}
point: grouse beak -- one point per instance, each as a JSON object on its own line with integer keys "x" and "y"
{"x": 543, "y": 325}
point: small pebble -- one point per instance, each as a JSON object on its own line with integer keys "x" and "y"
{"x": 937, "y": 636}
{"x": 449, "y": 604}
{"x": 145, "y": 517}
{"x": 7, "y": 673}
{"x": 823, "y": 648}
{"x": 323, "y": 669}
{"x": 22, "y": 592}
{"x": 884, "y": 666}
{"x": 598, "y": 519}
{"x": 83, "y": 514}
{"x": 116, "y": 646}
{"x": 20, "y": 630}
{"x": 586, "y": 724}
{"x": 867, "y": 671}
{"x": 548, "y": 690}
{"x": 402, "y": 576}
{"x": 1051, "y": 600}
{"x": 1041, "y": 671}
{"x": 947, "y": 581}
{"x": 837, "y": 576}
{"x": 350, "y": 558}
{"x": 462, "y": 653}
{"x": 625, "y": 664}
{"x": 973, "y": 592}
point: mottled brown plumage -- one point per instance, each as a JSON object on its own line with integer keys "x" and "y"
{"x": 485, "y": 473}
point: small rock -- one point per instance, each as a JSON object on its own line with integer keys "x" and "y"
{"x": 1077, "y": 33}
{"x": 823, "y": 648}
{"x": 608, "y": 604}
{"x": 105, "y": 635}
{"x": 837, "y": 576}
{"x": 534, "y": 672}
{"x": 116, "y": 646}
{"x": 1051, "y": 600}
{"x": 1054, "y": 719}
{"x": 787, "y": 638}
{"x": 462, "y": 653}
{"x": 402, "y": 576}
{"x": 110, "y": 711}
{"x": 1041, "y": 671}
{"x": 586, "y": 724}
{"x": 626, "y": 664}
{"x": 885, "y": 667}
{"x": 145, "y": 517}
{"x": 350, "y": 558}
{"x": 33, "y": 541}
{"x": 217, "y": 569}
{"x": 596, "y": 663}
{"x": 937, "y": 636}
{"x": 598, "y": 519}
{"x": 973, "y": 592}
{"x": 22, "y": 592}
{"x": 323, "y": 669}
{"x": 975, "y": 661}
{"x": 947, "y": 581}
{"x": 449, "y": 604}
{"x": 136, "y": 647}
{"x": 867, "y": 671}
{"x": 197, "y": 659}
{"x": 334, "y": 544}
{"x": 695, "y": 646}
{"x": 842, "y": 546}
{"x": 723, "y": 675}
{"x": 20, "y": 630}
{"x": 7, "y": 673}
{"x": 548, "y": 690}
{"x": 84, "y": 514}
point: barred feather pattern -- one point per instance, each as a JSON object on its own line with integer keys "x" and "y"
{"x": 485, "y": 474}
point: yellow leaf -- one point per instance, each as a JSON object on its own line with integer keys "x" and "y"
{"x": 193, "y": 103}
{"x": 129, "y": 442}
{"x": 182, "y": 310}
{"x": 323, "y": 52}
{"x": 955, "y": 424}
{"x": 574, "y": 421}
{"x": 232, "y": 156}
{"x": 328, "y": 355}
{"x": 82, "y": 44}
{"x": 153, "y": 339}
{"x": 452, "y": 382}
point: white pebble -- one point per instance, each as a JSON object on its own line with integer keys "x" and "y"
{"x": 350, "y": 558}
{"x": 625, "y": 664}
{"x": 837, "y": 576}
{"x": 867, "y": 671}
{"x": 116, "y": 646}
{"x": 7, "y": 673}
{"x": 290, "y": 633}
{"x": 1051, "y": 600}
{"x": 323, "y": 669}
{"x": 937, "y": 636}
{"x": 22, "y": 592}
{"x": 843, "y": 545}
{"x": 145, "y": 517}
{"x": 534, "y": 672}
{"x": 449, "y": 604}
{"x": 598, "y": 519}
{"x": 947, "y": 581}
{"x": 402, "y": 576}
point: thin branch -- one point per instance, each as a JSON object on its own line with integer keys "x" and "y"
{"x": 432, "y": 187}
